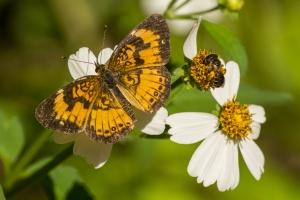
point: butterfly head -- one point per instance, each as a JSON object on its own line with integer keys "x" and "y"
{"x": 100, "y": 68}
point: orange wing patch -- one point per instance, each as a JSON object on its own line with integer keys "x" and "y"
{"x": 147, "y": 89}
{"x": 67, "y": 110}
{"x": 111, "y": 117}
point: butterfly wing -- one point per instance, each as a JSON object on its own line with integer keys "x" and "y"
{"x": 111, "y": 117}
{"x": 89, "y": 105}
{"x": 139, "y": 60}
{"x": 67, "y": 109}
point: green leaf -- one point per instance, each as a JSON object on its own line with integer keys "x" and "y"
{"x": 64, "y": 177}
{"x": 32, "y": 168}
{"x": 2, "y": 197}
{"x": 176, "y": 86}
{"x": 229, "y": 43}
{"x": 12, "y": 139}
{"x": 78, "y": 191}
{"x": 48, "y": 187}
{"x": 192, "y": 100}
{"x": 255, "y": 95}
{"x": 196, "y": 101}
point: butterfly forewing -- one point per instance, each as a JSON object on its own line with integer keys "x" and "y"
{"x": 140, "y": 60}
{"x": 68, "y": 109}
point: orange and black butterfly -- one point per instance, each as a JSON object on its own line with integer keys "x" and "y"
{"x": 101, "y": 105}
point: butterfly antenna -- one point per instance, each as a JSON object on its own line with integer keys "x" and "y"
{"x": 64, "y": 57}
{"x": 104, "y": 33}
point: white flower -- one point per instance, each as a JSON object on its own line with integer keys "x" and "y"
{"x": 205, "y": 69}
{"x": 216, "y": 159}
{"x": 190, "y": 44}
{"x": 97, "y": 153}
{"x": 182, "y": 26}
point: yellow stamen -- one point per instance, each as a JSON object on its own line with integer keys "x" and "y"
{"x": 236, "y": 119}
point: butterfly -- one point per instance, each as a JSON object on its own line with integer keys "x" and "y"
{"x": 101, "y": 105}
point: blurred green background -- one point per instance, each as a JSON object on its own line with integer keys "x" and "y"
{"x": 35, "y": 34}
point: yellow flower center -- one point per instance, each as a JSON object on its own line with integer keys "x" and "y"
{"x": 207, "y": 70}
{"x": 236, "y": 119}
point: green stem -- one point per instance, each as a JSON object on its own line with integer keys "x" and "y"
{"x": 169, "y": 7}
{"x": 175, "y": 89}
{"x": 187, "y": 1}
{"x": 164, "y": 135}
{"x": 176, "y": 83}
{"x": 26, "y": 158}
{"x": 192, "y": 15}
{"x": 22, "y": 185}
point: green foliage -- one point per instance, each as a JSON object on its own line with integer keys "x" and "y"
{"x": 255, "y": 95}
{"x": 2, "y": 197}
{"x": 35, "y": 166}
{"x": 64, "y": 177}
{"x": 231, "y": 45}
{"x": 78, "y": 191}
{"x": 12, "y": 139}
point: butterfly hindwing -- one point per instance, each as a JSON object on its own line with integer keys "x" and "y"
{"x": 147, "y": 89}
{"x": 111, "y": 117}
{"x": 68, "y": 109}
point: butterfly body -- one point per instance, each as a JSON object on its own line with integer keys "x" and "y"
{"x": 101, "y": 105}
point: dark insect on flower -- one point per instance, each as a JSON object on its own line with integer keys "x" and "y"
{"x": 212, "y": 59}
{"x": 219, "y": 79}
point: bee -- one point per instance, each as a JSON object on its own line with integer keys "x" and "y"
{"x": 212, "y": 59}
{"x": 219, "y": 79}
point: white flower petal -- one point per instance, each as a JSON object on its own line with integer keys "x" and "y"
{"x": 253, "y": 157}
{"x": 104, "y": 55}
{"x": 152, "y": 124}
{"x": 229, "y": 174}
{"x": 189, "y": 118}
{"x": 258, "y": 113}
{"x": 202, "y": 157}
{"x": 231, "y": 86}
{"x": 236, "y": 170}
{"x": 208, "y": 160}
{"x": 86, "y": 67}
{"x": 222, "y": 180}
{"x": 217, "y": 165}
{"x": 190, "y": 44}
{"x": 255, "y": 130}
{"x": 191, "y": 127}
{"x": 62, "y": 138}
{"x": 96, "y": 153}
